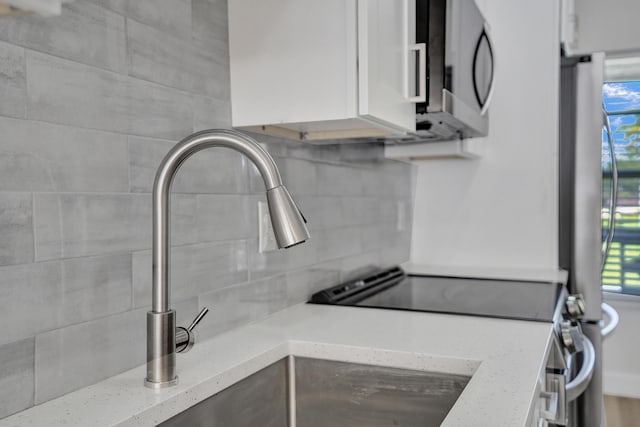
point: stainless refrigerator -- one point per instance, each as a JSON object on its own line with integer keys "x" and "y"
{"x": 582, "y": 240}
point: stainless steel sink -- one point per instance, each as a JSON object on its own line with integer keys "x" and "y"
{"x": 306, "y": 392}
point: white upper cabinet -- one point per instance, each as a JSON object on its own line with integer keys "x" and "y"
{"x": 609, "y": 26}
{"x": 384, "y": 30}
{"x": 314, "y": 70}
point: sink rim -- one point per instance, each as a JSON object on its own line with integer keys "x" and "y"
{"x": 198, "y": 388}
{"x": 361, "y": 390}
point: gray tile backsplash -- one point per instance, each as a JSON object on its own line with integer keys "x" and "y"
{"x": 322, "y": 212}
{"x": 61, "y": 293}
{"x": 16, "y": 376}
{"x": 195, "y": 269}
{"x": 13, "y": 84}
{"x": 160, "y": 57}
{"x": 301, "y": 176}
{"x": 65, "y": 92}
{"x": 70, "y": 358}
{"x": 210, "y": 113}
{"x": 257, "y": 299}
{"x": 74, "y": 225}
{"x": 339, "y": 180}
{"x": 16, "y": 228}
{"x": 210, "y": 30}
{"x": 226, "y": 217}
{"x": 211, "y": 171}
{"x": 172, "y": 16}
{"x": 61, "y": 158}
{"x": 84, "y": 33}
{"x": 90, "y": 103}
{"x": 305, "y": 282}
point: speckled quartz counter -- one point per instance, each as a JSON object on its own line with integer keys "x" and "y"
{"x": 503, "y": 357}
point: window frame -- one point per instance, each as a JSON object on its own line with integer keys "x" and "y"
{"x": 622, "y": 291}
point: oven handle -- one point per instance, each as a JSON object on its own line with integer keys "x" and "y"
{"x": 580, "y": 383}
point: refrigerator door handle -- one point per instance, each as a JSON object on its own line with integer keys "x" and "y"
{"x": 613, "y": 203}
{"x": 580, "y": 383}
{"x": 614, "y": 319}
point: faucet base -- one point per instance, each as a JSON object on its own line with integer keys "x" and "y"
{"x": 161, "y": 349}
{"x": 155, "y": 385}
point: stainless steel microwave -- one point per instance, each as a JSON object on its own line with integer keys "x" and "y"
{"x": 460, "y": 71}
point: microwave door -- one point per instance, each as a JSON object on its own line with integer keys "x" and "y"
{"x": 483, "y": 66}
{"x": 468, "y": 55}
{"x": 459, "y": 70}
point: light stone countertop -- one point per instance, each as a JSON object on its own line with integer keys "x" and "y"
{"x": 504, "y": 358}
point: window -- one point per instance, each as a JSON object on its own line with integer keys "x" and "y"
{"x": 622, "y": 266}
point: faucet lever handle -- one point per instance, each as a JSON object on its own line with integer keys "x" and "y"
{"x": 185, "y": 339}
{"x": 198, "y": 318}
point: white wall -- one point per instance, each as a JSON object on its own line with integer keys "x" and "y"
{"x": 501, "y": 210}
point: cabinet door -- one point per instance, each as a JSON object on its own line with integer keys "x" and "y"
{"x": 600, "y": 26}
{"x": 386, "y": 67}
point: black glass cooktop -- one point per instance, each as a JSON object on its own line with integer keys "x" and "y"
{"x": 392, "y": 289}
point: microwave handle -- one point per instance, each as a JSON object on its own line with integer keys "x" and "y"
{"x": 421, "y": 49}
{"x": 487, "y": 102}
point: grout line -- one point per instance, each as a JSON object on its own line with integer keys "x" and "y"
{"x": 33, "y": 228}
{"x": 129, "y": 165}
{"x": 26, "y": 85}
{"x": 72, "y": 258}
{"x": 193, "y": 113}
{"x": 127, "y": 76}
{"x": 124, "y": 74}
{"x": 35, "y": 373}
{"x": 132, "y": 300}
{"x": 281, "y": 275}
{"x": 134, "y": 193}
{"x": 127, "y": 58}
{"x": 76, "y": 127}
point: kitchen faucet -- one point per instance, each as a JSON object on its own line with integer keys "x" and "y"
{"x": 164, "y": 340}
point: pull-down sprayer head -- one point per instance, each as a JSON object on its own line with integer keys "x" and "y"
{"x": 287, "y": 220}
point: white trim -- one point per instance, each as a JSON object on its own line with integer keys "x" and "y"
{"x": 622, "y": 69}
{"x": 458, "y": 149}
{"x": 621, "y": 384}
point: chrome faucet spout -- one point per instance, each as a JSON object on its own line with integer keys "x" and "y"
{"x": 288, "y": 224}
